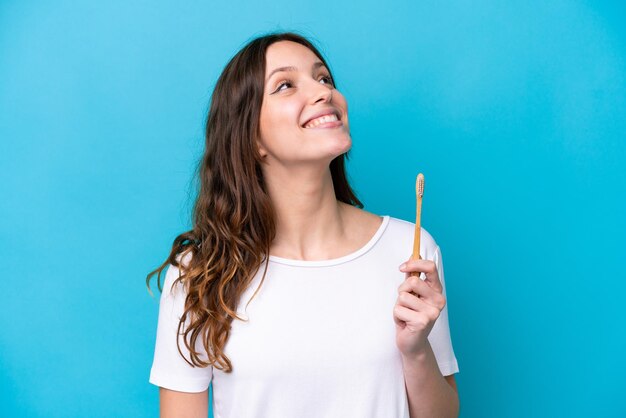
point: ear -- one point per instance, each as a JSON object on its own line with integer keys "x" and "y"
{"x": 262, "y": 151}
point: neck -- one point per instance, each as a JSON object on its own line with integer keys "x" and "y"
{"x": 310, "y": 222}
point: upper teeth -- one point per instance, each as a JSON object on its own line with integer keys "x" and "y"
{"x": 321, "y": 119}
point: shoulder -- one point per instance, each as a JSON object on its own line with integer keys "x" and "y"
{"x": 398, "y": 231}
{"x": 174, "y": 272}
{"x": 361, "y": 222}
{"x": 407, "y": 227}
{"x": 184, "y": 258}
{"x": 403, "y": 231}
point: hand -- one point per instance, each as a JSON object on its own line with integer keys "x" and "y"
{"x": 418, "y": 306}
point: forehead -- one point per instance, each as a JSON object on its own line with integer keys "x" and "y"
{"x": 288, "y": 53}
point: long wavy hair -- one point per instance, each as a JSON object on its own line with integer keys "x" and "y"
{"x": 233, "y": 216}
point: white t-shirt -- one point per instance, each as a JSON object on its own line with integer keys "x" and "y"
{"x": 319, "y": 340}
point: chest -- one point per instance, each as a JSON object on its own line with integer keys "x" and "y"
{"x": 312, "y": 322}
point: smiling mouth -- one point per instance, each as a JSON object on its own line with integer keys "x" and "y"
{"x": 327, "y": 125}
{"x": 329, "y": 120}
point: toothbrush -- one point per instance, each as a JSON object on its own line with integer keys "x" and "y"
{"x": 419, "y": 192}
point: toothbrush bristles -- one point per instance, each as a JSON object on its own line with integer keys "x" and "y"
{"x": 420, "y": 185}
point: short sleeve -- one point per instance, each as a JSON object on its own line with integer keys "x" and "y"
{"x": 439, "y": 336}
{"x": 169, "y": 369}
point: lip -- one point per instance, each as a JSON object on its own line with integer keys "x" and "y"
{"x": 325, "y": 112}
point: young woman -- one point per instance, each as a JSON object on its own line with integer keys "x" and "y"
{"x": 286, "y": 295}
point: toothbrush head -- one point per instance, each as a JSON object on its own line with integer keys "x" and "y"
{"x": 419, "y": 185}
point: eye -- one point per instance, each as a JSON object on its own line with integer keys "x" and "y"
{"x": 284, "y": 83}
{"x": 330, "y": 80}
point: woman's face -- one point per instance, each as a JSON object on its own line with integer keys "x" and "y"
{"x": 291, "y": 99}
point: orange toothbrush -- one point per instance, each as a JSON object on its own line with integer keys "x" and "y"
{"x": 419, "y": 192}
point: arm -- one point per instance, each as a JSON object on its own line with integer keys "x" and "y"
{"x": 452, "y": 382}
{"x": 176, "y": 404}
{"x": 183, "y": 389}
{"x": 430, "y": 394}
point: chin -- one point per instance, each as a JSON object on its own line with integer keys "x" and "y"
{"x": 341, "y": 146}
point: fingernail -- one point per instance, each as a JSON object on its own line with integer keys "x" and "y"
{"x": 403, "y": 265}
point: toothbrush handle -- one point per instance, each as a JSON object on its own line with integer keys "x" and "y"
{"x": 416, "y": 240}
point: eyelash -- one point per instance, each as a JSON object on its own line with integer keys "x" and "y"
{"x": 287, "y": 81}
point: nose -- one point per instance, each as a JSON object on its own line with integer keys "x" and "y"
{"x": 321, "y": 92}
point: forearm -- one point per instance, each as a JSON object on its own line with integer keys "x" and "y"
{"x": 429, "y": 394}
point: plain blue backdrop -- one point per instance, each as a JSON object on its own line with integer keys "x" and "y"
{"x": 514, "y": 111}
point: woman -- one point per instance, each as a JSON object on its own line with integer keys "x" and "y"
{"x": 337, "y": 329}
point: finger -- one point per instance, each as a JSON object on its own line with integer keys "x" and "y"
{"x": 419, "y": 286}
{"x": 414, "y": 303}
{"x": 428, "y": 267}
{"x": 418, "y": 265}
{"x": 402, "y": 313}
{"x": 415, "y": 284}
{"x": 423, "y": 291}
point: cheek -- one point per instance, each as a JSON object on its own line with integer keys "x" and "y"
{"x": 279, "y": 121}
{"x": 341, "y": 102}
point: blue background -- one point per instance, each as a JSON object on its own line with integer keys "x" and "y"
{"x": 514, "y": 111}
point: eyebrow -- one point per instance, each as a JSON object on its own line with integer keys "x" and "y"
{"x": 316, "y": 65}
